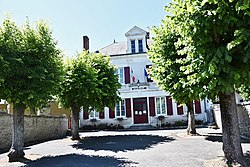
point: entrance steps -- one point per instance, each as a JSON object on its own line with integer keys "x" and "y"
{"x": 141, "y": 127}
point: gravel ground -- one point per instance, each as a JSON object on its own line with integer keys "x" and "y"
{"x": 163, "y": 148}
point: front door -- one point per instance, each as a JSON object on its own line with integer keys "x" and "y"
{"x": 140, "y": 110}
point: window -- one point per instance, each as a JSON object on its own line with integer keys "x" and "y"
{"x": 160, "y": 105}
{"x": 140, "y": 46}
{"x": 120, "y": 73}
{"x": 133, "y": 46}
{"x": 120, "y": 109}
{"x": 93, "y": 114}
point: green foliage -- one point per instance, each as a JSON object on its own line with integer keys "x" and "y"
{"x": 31, "y": 65}
{"x": 89, "y": 82}
{"x": 168, "y": 64}
{"x": 203, "y": 47}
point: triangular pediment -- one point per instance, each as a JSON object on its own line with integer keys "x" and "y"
{"x": 135, "y": 31}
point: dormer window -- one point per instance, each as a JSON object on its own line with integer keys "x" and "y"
{"x": 136, "y": 40}
{"x": 133, "y": 46}
{"x": 140, "y": 46}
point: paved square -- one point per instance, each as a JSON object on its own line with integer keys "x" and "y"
{"x": 158, "y": 148}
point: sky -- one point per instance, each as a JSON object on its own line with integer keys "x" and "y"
{"x": 101, "y": 20}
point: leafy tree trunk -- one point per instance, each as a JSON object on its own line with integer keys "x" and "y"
{"x": 230, "y": 129}
{"x": 191, "y": 119}
{"x": 75, "y": 123}
{"x": 16, "y": 151}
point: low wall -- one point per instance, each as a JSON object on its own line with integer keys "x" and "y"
{"x": 244, "y": 120}
{"x": 36, "y": 128}
{"x": 243, "y": 116}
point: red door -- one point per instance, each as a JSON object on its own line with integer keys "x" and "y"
{"x": 140, "y": 110}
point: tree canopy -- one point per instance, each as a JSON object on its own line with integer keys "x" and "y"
{"x": 32, "y": 65}
{"x": 216, "y": 39}
{"x": 90, "y": 82}
{"x": 167, "y": 70}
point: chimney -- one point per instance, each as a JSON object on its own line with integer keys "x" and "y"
{"x": 85, "y": 43}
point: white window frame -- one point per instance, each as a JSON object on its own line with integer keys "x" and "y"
{"x": 120, "y": 109}
{"x": 95, "y": 114}
{"x": 141, "y": 46}
{"x": 121, "y": 80}
{"x": 160, "y": 98}
{"x": 134, "y": 45}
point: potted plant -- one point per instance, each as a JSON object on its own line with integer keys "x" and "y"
{"x": 161, "y": 117}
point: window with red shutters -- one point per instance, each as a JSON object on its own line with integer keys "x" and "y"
{"x": 169, "y": 105}
{"x": 128, "y": 107}
{"x": 85, "y": 115}
{"x": 197, "y": 106}
{"x": 111, "y": 113}
{"x": 152, "y": 106}
{"x": 127, "y": 75}
{"x": 179, "y": 109}
{"x": 101, "y": 115}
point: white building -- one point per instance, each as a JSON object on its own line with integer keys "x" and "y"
{"x": 142, "y": 101}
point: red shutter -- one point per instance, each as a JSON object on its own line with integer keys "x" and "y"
{"x": 152, "y": 106}
{"x": 169, "y": 105}
{"x": 101, "y": 115}
{"x": 85, "y": 115}
{"x": 111, "y": 113}
{"x": 69, "y": 122}
{"x": 179, "y": 109}
{"x": 197, "y": 106}
{"x": 128, "y": 107}
{"x": 127, "y": 75}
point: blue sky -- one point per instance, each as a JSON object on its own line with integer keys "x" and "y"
{"x": 101, "y": 20}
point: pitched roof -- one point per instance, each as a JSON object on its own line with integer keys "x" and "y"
{"x": 118, "y": 48}
{"x": 115, "y": 48}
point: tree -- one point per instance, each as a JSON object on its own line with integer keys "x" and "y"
{"x": 32, "y": 75}
{"x": 167, "y": 72}
{"x": 90, "y": 82}
{"x": 215, "y": 37}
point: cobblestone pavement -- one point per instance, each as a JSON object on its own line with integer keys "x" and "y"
{"x": 157, "y": 148}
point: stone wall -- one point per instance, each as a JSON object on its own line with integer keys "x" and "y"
{"x": 244, "y": 120}
{"x": 243, "y": 116}
{"x": 36, "y": 128}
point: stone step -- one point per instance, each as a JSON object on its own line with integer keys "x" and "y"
{"x": 141, "y": 127}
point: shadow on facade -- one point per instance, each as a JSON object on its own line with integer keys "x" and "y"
{"x": 79, "y": 160}
{"x": 121, "y": 142}
{"x": 217, "y": 137}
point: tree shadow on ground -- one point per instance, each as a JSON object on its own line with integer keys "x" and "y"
{"x": 217, "y": 137}
{"x": 79, "y": 160}
{"x": 120, "y": 142}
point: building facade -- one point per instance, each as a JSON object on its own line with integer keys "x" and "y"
{"x": 143, "y": 103}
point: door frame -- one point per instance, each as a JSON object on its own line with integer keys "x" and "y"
{"x": 147, "y": 110}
